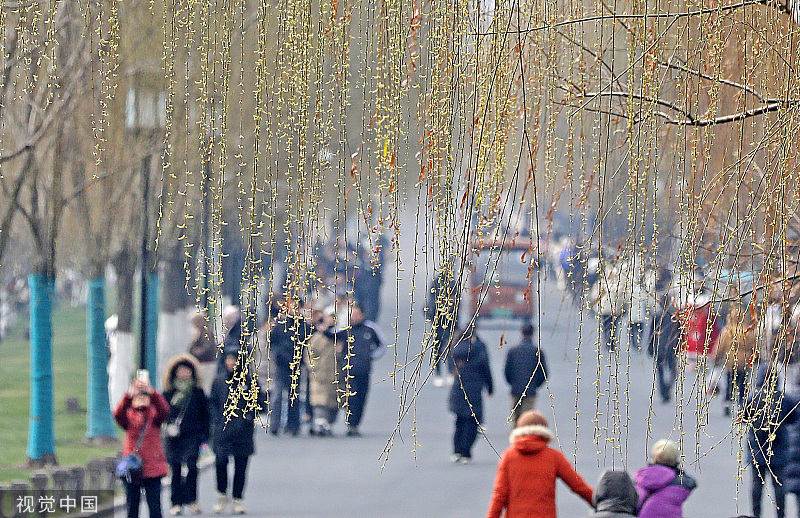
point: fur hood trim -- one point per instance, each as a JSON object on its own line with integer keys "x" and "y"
{"x": 184, "y": 358}
{"x": 534, "y": 429}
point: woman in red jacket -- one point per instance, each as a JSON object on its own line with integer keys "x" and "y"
{"x": 525, "y": 484}
{"x": 144, "y": 409}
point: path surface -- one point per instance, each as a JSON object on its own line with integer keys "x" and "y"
{"x": 610, "y": 405}
{"x": 340, "y": 476}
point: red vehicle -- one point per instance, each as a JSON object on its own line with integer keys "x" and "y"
{"x": 503, "y": 279}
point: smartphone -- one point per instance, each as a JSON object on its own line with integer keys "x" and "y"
{"x": 143, "y": 375}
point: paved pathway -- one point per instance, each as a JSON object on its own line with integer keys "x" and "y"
{"x": 341, "y": 476}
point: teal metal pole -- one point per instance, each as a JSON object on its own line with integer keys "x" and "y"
{"x": 151, "y": 330}
{"x": 99, "y": 422}
{"x": 41, "y": 435}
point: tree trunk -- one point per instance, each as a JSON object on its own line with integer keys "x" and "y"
{"x": 121, "y": 362}
{"x": 41, "y": 429}
{"x": 99, "y": 423}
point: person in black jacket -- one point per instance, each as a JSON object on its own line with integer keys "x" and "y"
{"x": 442, "y": 311}
{"x": 186, "y": 429}
{"x": 360, "y": 344}
{"x": 525, "y": 371}
{"x": 664, "y": 342}
{"x": 769, "y": 414}
{"x": 287, "y": 338}
{"x": 231, "y": 342}
{"x": 472, "y": 373}
{"x": 232, "y": 428}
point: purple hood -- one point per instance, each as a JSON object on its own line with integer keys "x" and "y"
{"x": 662, "y": 491}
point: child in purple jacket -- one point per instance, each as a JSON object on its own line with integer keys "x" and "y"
{"x": 662, "y": 485}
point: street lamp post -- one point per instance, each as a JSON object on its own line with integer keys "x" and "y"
{"x": 145, "y": 117}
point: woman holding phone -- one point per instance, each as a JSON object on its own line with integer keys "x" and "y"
{"x": 140, "y": 414}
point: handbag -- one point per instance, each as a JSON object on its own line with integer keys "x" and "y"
{"x": 130, "y": 467}
{"x": 173, "y": 429}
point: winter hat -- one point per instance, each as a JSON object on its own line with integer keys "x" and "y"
{"x": 531, "y": 418}
{"x": 665, "y": 452}
{"x": 531, "y": 423}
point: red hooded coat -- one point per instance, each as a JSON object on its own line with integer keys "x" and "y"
{"x": 525, "y": 484}
{"x": 154, "y": 462}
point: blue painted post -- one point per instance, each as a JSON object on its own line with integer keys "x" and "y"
{"x": 41, "y": 435}
{"x": 99, "y": 423}
{"x": 151, "y": 333}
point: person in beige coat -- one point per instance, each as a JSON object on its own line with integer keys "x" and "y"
{"x": 320, "y": 358}
{"x": 737, "y": 352}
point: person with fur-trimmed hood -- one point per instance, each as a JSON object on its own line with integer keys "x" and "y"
{"x": 187, "y": 428}
{"x": 525, "y": 484}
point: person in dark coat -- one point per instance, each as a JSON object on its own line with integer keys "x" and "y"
{"x": 287, "y": 339}
{"x": 233, "y": 438}
{"x": 472, "y": 373}
{"x": 664, "y": 341}
{"x": 187, "y": 428}
{"x": 360, "y": 343}
{"x": 615, "y": 496}
{"x": 142, "y": 410}
{"x": 369, "y": 277}
{"x": 769, "y": 415}
{"x": 525, "y": 372}
{"x": 442, "y": 311}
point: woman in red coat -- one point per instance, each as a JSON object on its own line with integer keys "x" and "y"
{"x": 525, "y": 484}
{"x": 143, "y": 405}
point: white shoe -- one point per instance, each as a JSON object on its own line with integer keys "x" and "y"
{"x": 222, "y": 503}
{"x": 237, "y": 508}
{"x": 450, "y": 379}
{"x": 438, "y": 382}
{"x": 195, "y": 508}
{"x": 175, "y": 510}
{"x": 455, "y": 457}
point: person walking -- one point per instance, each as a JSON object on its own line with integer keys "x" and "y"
{"x": 140, "y": 414}
{"x": 525, "y": 371}
{"x": 187, "y": 428}
{"x": 232, "y": 431}
{"x": 770, "y": 415}
{"x": 525, "y": 484}
{"x": 442, "y": 309}
{"x": 606, "y": 298}
{"x": 615, "y": 496}
{"x": 642, "y": 304}
{"x": 321, "y": 364}
{"x": 737, "y": 351}
{"x": 665, "y": 340}
{"x": 203, "y": 347}
{"x": 473, "y": 374}
{"x": 360, "y": 343}
{"x": 287, "y": 338}
{"x": 663, "y": 486}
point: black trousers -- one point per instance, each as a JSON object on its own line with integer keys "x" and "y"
{"x": 609, "y": 328}
{"x": 466, "y": 431}
{"x": 183, "y": 490}
{"x": 666, "y": 372}
{"x": 761, "y": 474}
{"x": 359, "y": 388}
{"x": 239, "y": 474}
{"x": 280, "y": 395}
{"x": 736, "y": 386}
{"x": 152, "y": 493}
{"x": 635, "y": 332}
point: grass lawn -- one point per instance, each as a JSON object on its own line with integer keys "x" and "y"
{"x": 69, "y": 371}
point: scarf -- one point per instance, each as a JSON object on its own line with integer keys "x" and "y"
{"x": 182, "y": 389}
